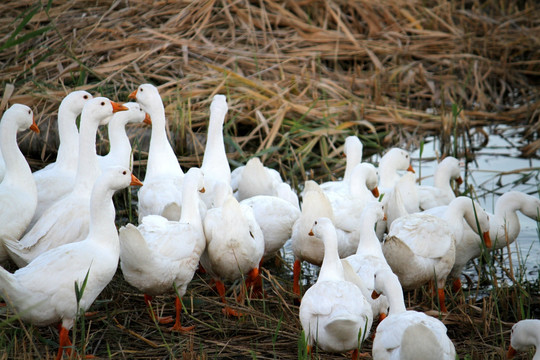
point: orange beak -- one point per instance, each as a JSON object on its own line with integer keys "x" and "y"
{"x": 511, "y": 352}
{"x": 133, "y": 95}
{"x": 487, "y": 239}
{"x": 135, "y": 181}
{"x": 459, "y": 180}
{"x": 375, "y": 295}
{"x": 202, "y": 191}
{"x": 384, "y": 217}
{"x": 375, "y": 192}
{"x": 410, "y": 168}
{"x": 147, "y": 119}
{"x": 34, "y": 126}
{"x": 116, "y": 107}
{"x": 311, "y": 233}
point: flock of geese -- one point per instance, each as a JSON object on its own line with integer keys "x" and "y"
{"x": 58, "y": 226}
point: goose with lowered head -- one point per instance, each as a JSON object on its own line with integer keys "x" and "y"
{"x": 160, "y": 255}
{"x": 420, "y": 245}
{"x": 234, "y": 242}
{"x": 57, "y": 225}
{"x": 407, "y": 334}
{"x": 18, "y": 193}
{"x": 43, "y": 292}
{"x": 525, "y": 334}
{"x": 334, "y": 313}
{"x": 164, "y": 176}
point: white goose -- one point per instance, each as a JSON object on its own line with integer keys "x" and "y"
{"x": 369, "y": 257}
{"x": 420, "y": 245}
{"x": 353, "y": 150}
{"x": 525, "y": 334}
{"x": 160, "y": 254}
{"x": 348, "y": 207}
{"x": 504, "y": 228}
{"x": 18, "y": 193}
{"x": 441, "y": 193}
{"x": 334, "y": 313}
{"x": 58, "y": 178}
{"x": 393, "y": 161}
{"x": 407, "y": 334}
{"x": 215, "y": 165}
{"x": 234, "y": 242}
{"x": 254, "y": 179}
{"x": 43, "y": 292}
{"x": 120, "y": 147}
{"x": 163, "y": 179}
{"x": 315, "y": 204}
{"x": 58, "y": 225}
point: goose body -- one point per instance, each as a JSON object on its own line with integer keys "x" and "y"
{"x": 407, "y": 334}
{"x": 164, "y": 176}
{"x": 334, "y": 313}
{"x": 504, "y": 226}
{"x": 215, "y": 164}
{"x": 525, "y": 334}
{"x": 43, "y": 292}
{"x": 254, "y": 179}
{"x": 369, "y": 257}
{"x": 58, "y": 225}
{"x": 58, "y": 178}
{"x": 234, "y": 241}
{"x": 441, "y": 193}
{"x": 276, "y": 217}
{"x": 120, "y": 147}
{"x": 348, "y": 207}
{"x": 160, "y": 253}
{"x": 353, "y": 150}
{"x": 420, "y": 245}
{"x": 18, "y": 193}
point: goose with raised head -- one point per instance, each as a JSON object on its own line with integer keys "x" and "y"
{"x": 407, "y": 334}
{"x": 525, "y": 334}
{"x": 369, "y": 257}
{"x": 42, "y": 293}
{"x": 420, "y": 245}
{"x": 58, "y": 225}
{"x": 119, "y": 145}
{"x": 18, "y": 193}
{"x": 164, "y": 176}
{"x": 363, "y": 189}
{"x": 352, "y": 150}
{"x": 504, "y": 228}
{"x": 215, "y": 164}
{"x": 160, "y": 255}
{"x": 441, "y": 192}
{"x": 234, "y": 242}
{"x": 334, "y": 313}
{"x": 315, "y": 204}
{"x": 58, "y": 178}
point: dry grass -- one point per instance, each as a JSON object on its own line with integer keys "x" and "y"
{"x": 299, "y": 77}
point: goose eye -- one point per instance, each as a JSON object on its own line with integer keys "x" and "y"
{"x": 124, "y": 172}
{"x": 85, "y": 97}
{"x": 30, "y": 111}
{"x": 103, "y": 103}
{"x": 141, "y": 89}
{"x": 315, "y": 223}
{"x": 251, "y": 234}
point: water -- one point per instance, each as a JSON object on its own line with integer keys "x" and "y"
{"x": 496, "y": 169}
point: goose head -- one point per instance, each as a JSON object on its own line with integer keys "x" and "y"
{"x": 102, "y": 109}
{"x": 147, "y": 95}
{"x": 74, "y": 102}
{"x": 24, "y": 117}
{"x": 134, "y": 114}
